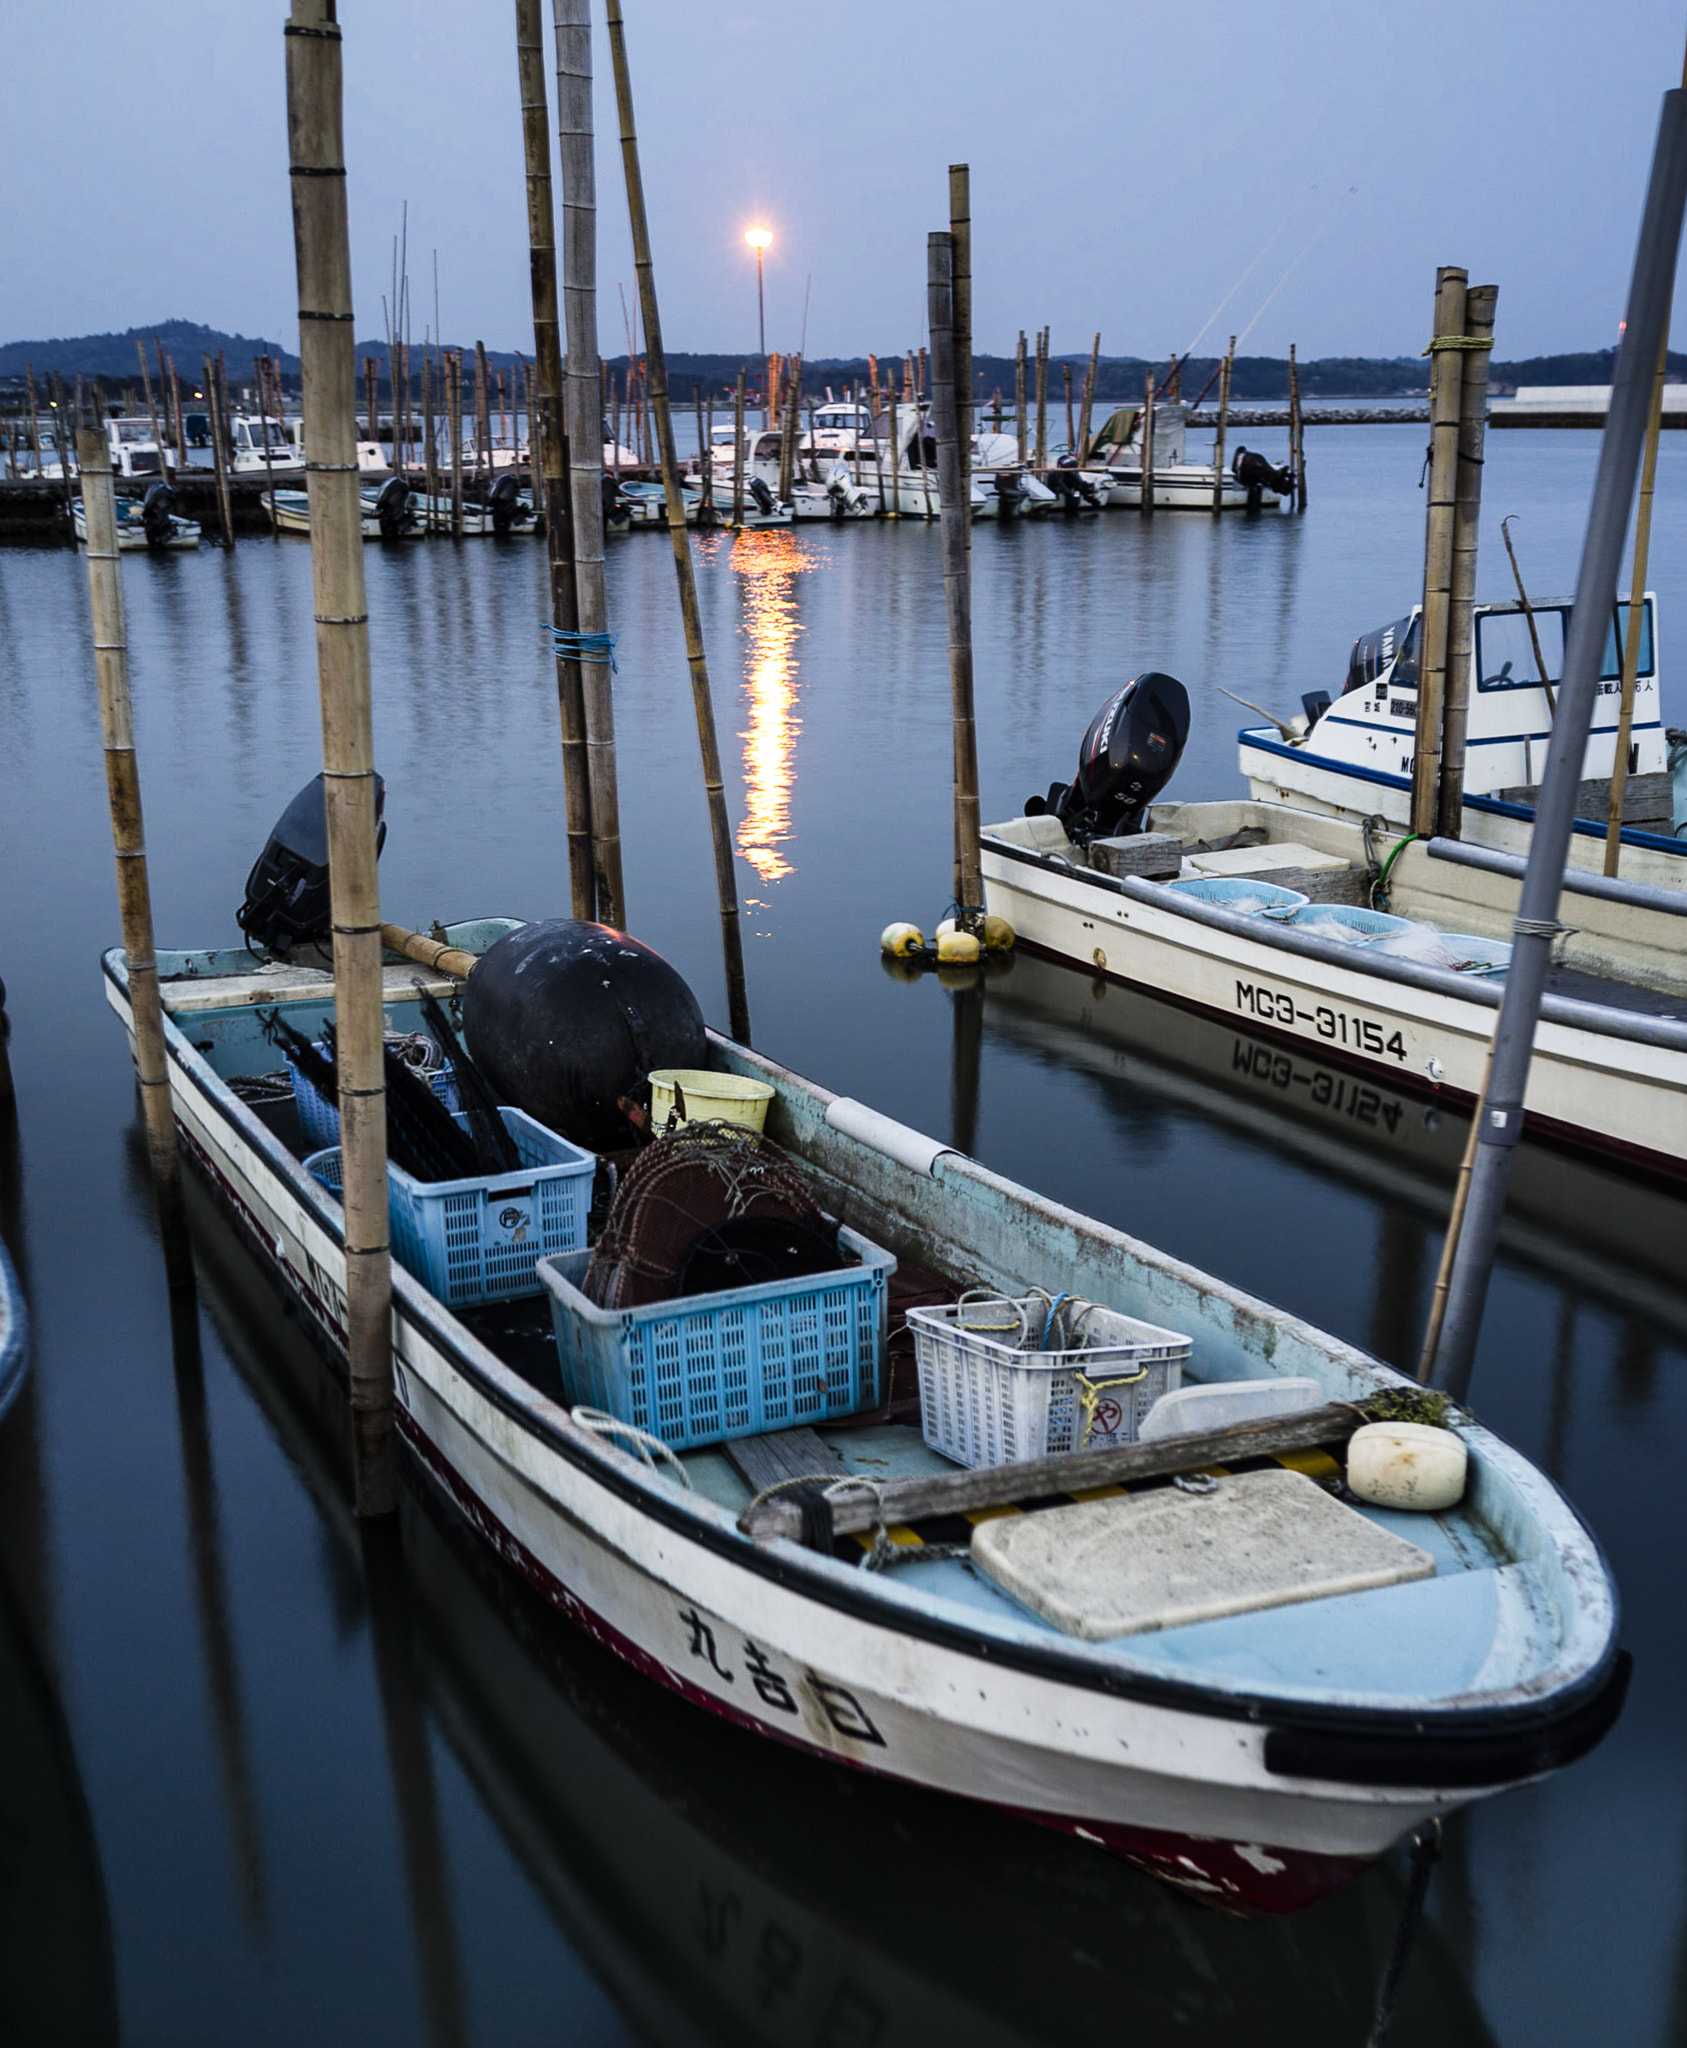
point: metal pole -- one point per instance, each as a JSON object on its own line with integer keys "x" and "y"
{"x": 720, "y": 830}
{"x": 328, "y": 380}
{"x": 957, "y": 590}
{"x": 128, "y": 838}
{"x": 1479, "y": 303}
{"x": 1500, "y": 1112}
{"x": 573, "y": 23}
{"x": 549, "y": 450}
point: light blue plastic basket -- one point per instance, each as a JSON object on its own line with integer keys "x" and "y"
{"x": 1240, "y": 893}
{"x": 320, "y": 1120}
{"x": 1349, "y": 919}
{"x": 706, "y": 1367}
{"x": 479, "y": 1239}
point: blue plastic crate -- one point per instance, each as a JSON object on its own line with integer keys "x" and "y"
{"x": 1349, "y": 920}
{"x": 320, "y": 1120}
{"x": 706, "y": 1367}
{"x": 478, "y": 1239}
{"x": 1240, "y": 893}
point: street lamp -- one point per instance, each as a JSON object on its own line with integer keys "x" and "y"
{"x": 760, "y": 239}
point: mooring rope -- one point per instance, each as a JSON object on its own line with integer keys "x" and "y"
{"x": 593, "y": 647}
{"x": 1426, "y": 1853}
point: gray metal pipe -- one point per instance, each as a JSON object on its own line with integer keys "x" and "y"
{"x": 1579, "y": 881}
{"x": 1500, "y": 1115}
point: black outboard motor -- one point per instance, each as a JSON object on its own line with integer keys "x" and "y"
{"x": 507, "y": 510}
{"x": 1129, "y": 754}
{"x": 287, "y": 891}
{"x": 155, "y": 515}
{"x": 1256, "y": 475}
{"x": 609, "y": 491}
{"x": 392, "y": 508}
{"x": 1010, "y": 490}
{"x": 758, "y": 490}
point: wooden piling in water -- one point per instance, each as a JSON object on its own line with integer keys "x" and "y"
{"x": 584, "y": 421}
{"x": 151, "y": 410}
{"x": 219, "y": 453}
{"x": 1147, "y": 492}
{"x": 1019, "y": 420}
{"x": 1479, "y": 304}
{"x": 720, "y": 830}
{"x": 738, "y": 454}
{"x": 328, "y": 382}
{"x": 454, "y": 402}
{"x": 482, "y": 420}
{"x": 960, "y": 316}
{"x": 788, "y": 428}
{"x": 1085, "y": 415}
{"x": 548, "y": 445}
{"x": 1071, "y": 419}
{"x": 128, "y": 839}
{"x": 1224, "y": 370}
{"x": 1297, "y": 430}
{"x": 1446, "y": 376}
{"x": 1042, "y": 441}
{"x": 1636, "y": 615}
{"x": 957, "y": 588}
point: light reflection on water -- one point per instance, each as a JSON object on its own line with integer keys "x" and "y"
{"x": 767, "y": 566}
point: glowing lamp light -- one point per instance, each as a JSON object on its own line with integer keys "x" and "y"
{"x": 759, "y": 238}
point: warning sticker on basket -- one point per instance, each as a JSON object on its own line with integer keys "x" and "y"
{"x": 509, "y": 1217}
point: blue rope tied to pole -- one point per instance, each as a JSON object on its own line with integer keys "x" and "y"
{"x": 594, "y": 647}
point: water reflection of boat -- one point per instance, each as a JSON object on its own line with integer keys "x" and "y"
{"x": 727, "y": 1892}
{"x": 1624, "y": 1243}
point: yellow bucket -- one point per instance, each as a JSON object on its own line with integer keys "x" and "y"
{"x": 727, "y": 1097}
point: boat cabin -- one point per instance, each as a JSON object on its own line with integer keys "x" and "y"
{"x": 134, "y": 450}
{"x": 264, "y": 443}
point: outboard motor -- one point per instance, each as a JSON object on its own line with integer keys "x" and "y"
{"x": 156, "y": 517}
{"x": 392, "y": 508}
{"x": 1010, "y": 490}
{"x": 1256, "y": 475}
{"x": 615, "y": 513}
{"x": 757, "y": 487}
{"x": 506, "y": 503}
{"x": 287, "y": 891}
{"x": 1129, "y": 754}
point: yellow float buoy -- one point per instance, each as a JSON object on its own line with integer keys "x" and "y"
{"x": 957, "y": 948}
{"x": 901, "y": 940}
{"x": 998, "y": 935}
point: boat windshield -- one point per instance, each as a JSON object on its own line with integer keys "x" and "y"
{"x": 1505, "y": 652}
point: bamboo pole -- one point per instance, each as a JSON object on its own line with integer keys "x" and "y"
{"x": 705, "y": 464}
{"x": 1146, "y": 494}
{"x": 548, "y": 443}
{"x": 788, "y": 439}
{"x": 584, "y": 423}
{"x": 1019, "y": 421}
{"x": 732, "y": 938}
{"x": 1224, "y": 374}
{"x": 35, "y": 421}
{"x": 164, "y": 418}
{"x": 1479, "y": 304}
{"x": 1297, "y": 430}
{"x": 452, "y": 960}
{"x": 1042, "y": 441}
{"x": 219, "y": 453}
{"x": 1071, "y": 418}
{"x": 181, "y": 424}
{"x": 738, "y": 455}
{"x": 328, "y": 379}
{"x": 128, "y": 838}
{"x": 430, "y": 451}
{"x": 960, "y": 303}
{"x": 455, "y": 403}
{"x": 1636, "y": 615}
{"x": 371, "y": 399}
{"x": 1446, "y": 377}
{"x": 895, "y": 457}
{"x": 482, "y": 419}
{"x": 151, "y": 410}
{"x": 260, "y": 369}
{"x": 1086, "y": 414}
{"x": 957, "y": 586}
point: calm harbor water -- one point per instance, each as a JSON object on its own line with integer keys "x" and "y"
{"x": 263, "y": 1781}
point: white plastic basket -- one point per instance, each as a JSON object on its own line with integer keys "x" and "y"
{"x": 991, "y": 1395}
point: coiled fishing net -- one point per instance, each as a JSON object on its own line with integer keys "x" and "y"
{"x": 709, "y": 1206}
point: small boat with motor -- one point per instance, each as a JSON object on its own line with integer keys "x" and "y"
{"x": 150, "y": 526}
{"x": 390, "y": 511}
{"x": 1353, "y": 757}
{"x": 1349, "y": 937}
{"x": 1120, "y": 1548}
{"x": 1113, "y": 467}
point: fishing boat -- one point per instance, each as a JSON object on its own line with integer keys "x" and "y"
{"x": 1113, "y": 467}
{"x": 1352, "y": 939}
{"x": 1353, "y": 757}
{"x": 389, "y": 512}
{"x": 1256, "y": 1755}
{"x": 149, "y": 525}
{"x": 262, "y": 445}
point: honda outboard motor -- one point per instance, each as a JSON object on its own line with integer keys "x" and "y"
{"x": 758, "y": 490}
{"x": 506, "y": 503}
{"x": 155, "y": 515}
{"x": 1255, "y": 475}
{"x": 287, "y": 891}
{"x": 1129, "y": 754}
{"x": 392, "y": 508}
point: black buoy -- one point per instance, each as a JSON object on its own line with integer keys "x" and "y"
{"x": 564, "y": 1018}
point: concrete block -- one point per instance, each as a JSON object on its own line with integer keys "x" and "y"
{"x": 1155, "y": 856}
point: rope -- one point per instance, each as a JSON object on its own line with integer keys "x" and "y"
{"x": 1426, "y": 1853}
{"x": 592, "y": 647}
{"x": 646, "y": 1446}
{"x": 1459, "y": 341}
{"x": 1537, "y": 927}
{"x": 815, "y": 1494}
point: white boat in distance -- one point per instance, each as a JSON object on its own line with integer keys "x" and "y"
{"x": 140, "y": 531}
{"x": 1256, "y": 1760}
{"x": 1113, "y": 466}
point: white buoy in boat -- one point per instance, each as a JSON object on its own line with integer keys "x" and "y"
{"x": 1407, "y": 1465}
{"x": 900, "y": 940}
{"x": 957, "y": 948}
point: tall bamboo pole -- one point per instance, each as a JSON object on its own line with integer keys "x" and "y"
{"x": 1446, "y": 377}
{"x": 1297, "y": 430}
{"x": 957, "y": 583}
{"x": 788, "y": 438}
{"x": 181, "y": 422}
{"x": 1019, "y": 421}
{"x": 584, "y": 422}
{"x": 151, "y": 410}
{"x": 1224, "y": 372}
{"x": 128, "y": 838}
{"x": 328, "y": 379}
{"x": 482, "y": 419}
{"x": 219, "y": 453}
{"x": 549, "y": 445}
{"x": 1071, "y": 418}
{"x": 732, "y": 938}
{"x": 705, "y": 465}
{"x": 1042, "y": 441}
{"x": 1084, "y": 417}
{"x": 1636, "y": 614}
{"x": 738, "y": 455}
{"x": 1147, "y": 493}
{"x": 1479, "y": 304}
{"x": 960, "y": 301}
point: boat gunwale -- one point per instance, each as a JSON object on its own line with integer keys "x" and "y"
{"x": 1521, "y": 1715}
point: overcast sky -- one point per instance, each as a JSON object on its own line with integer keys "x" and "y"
{"x": 1129, "y": 163}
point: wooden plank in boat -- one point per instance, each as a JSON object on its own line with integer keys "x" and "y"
{"x": 763, "y": 1461}
{"x": 276, "y": 981}
{"x": 1165, "y": 1559}
{"x": 948, "y": 1493}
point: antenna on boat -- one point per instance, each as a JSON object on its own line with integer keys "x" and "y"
{"x": 1500, "y": 1112}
